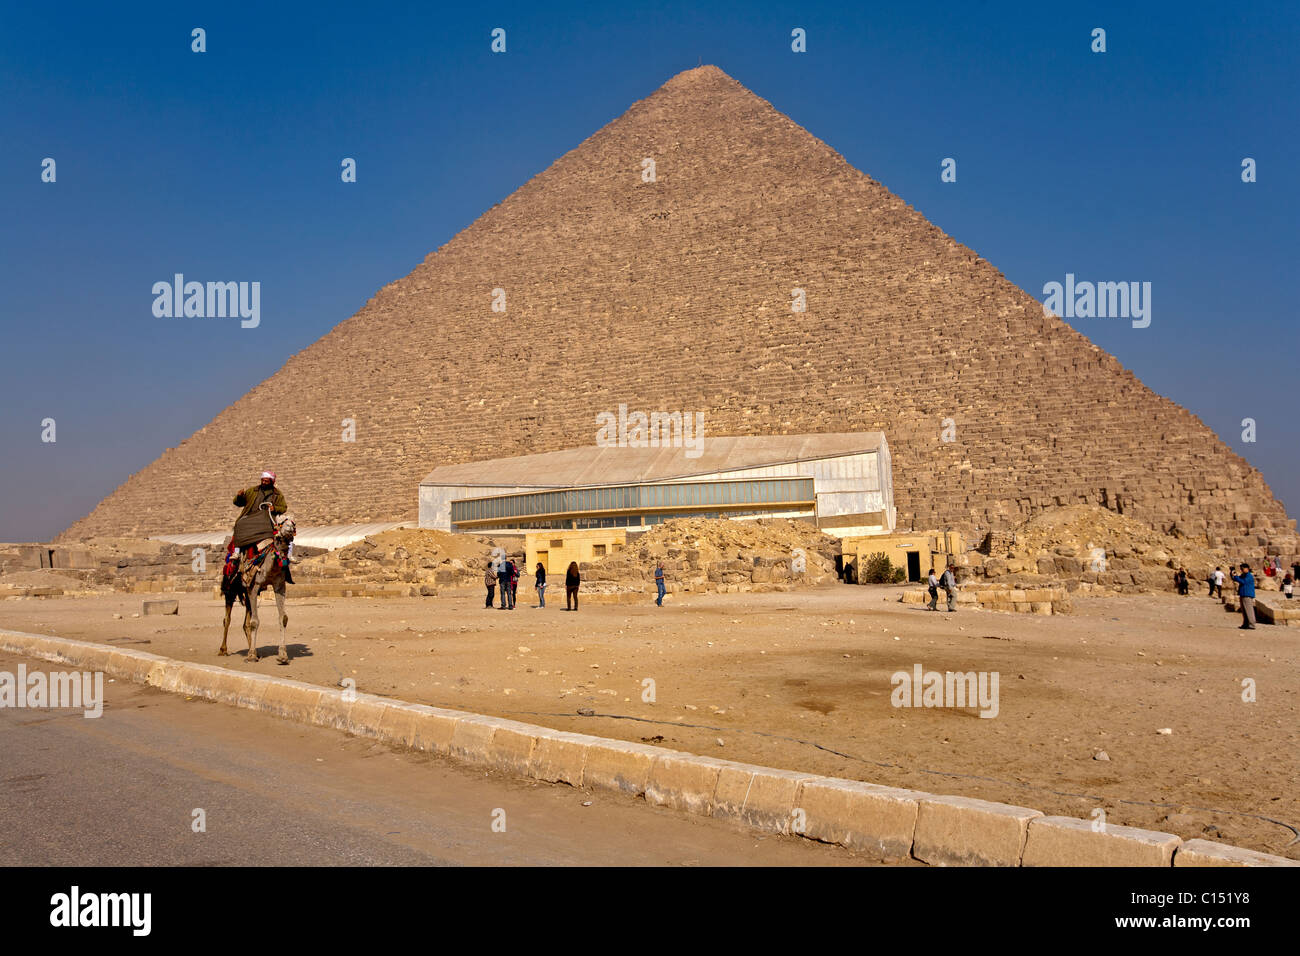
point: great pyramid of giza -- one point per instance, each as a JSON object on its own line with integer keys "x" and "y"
{"x": 676, "y": 295}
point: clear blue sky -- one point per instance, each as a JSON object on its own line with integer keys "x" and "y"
{"x": 1123, "y": 165}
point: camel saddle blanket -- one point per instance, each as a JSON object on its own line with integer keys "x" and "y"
{"x": 251, "y": 529}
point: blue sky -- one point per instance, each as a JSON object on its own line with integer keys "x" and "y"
{"x": 1117, "y": 166}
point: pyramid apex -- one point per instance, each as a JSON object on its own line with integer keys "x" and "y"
{"x": 704, "y": 75}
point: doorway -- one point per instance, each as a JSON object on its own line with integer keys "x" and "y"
{"x": 914, "y": 565}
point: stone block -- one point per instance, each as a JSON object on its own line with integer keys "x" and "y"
{"x": 560, "y": 757}
{"x": 1066, "y": 841}
{"x": 1206, "y": 853}
{"x": 684, "y": 782}
{"x": 859, "y": 815}
{"x": 292, "y": 700}
{"x": 960, "y": 831}
{"x": 617, "y": 765}
{"x": 759, "y": 796}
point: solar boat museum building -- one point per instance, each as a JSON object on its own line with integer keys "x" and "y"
{"x": 841, "y": 482}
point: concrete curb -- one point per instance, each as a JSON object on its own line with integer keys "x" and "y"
{"x": 944, "y": 830}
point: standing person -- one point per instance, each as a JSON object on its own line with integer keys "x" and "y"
{"x": 490, "y": 581}
{"x": 1216, "y": 583}
{"x": 514, "y": 583}
{"x": 933, "y": 584}
{"x": 659, "y": 583}
{"x": 950, "y": 585}
{"x": 1288, "y": 585}
{"x": 541, "y": 585}
{"x": 1246, "y": 595}
{"x": 1180, "y": 581}
{"x": 571, "y": 581}
{"x": 503, "y": 582}
{"x": 1269, "y": 570}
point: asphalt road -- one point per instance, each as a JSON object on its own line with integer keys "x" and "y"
{"x": 123, "y": 789}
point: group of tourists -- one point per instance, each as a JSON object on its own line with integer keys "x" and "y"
{"x": 504, "y": 574}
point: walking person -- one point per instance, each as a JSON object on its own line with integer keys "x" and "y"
{"x": 503, "y": 582}
{"x": 659, "y": 583}
{"x": 541, "y": 585}
{"x": 950, "y": 585}
{"x": 1288, "y": 585}
{"x": 933, "y": 584}
{"x": 571, "y": 581}
{"x": 1216, "y": 583}
{"x": 514, "y": 583}
{"x": 1246, "y": 595}
{"x": 490, "y": 582}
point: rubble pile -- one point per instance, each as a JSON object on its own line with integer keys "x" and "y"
{"x": 1090, "y": 549}
{"x": 423, "y": 558}
{"x": 718, "y": 554}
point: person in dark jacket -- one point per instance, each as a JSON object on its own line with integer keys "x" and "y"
{"x": 514, "y": 583}
{"x": 1246, "y": 597}
{"x": 660, "y": 587}
{"x": 571, "y": 581}
{"x": 540, "y": 574}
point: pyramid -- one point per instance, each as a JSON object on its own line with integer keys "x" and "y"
{"x": 676, "y": 295}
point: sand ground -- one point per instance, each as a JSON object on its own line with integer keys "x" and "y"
{"x": 803, "y": 681}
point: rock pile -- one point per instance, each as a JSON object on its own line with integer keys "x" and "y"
{"x": 423, "y": 558}
{"x": 718, "y": 554}
{"x": 1092, "y": 549}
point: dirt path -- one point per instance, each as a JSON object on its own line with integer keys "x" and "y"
{"x": 803, "y": 681}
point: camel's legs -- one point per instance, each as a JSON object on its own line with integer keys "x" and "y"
{"x": 283, "y": 656}
{"x": 250, "y": 624}
{"x": 225, "y": 628}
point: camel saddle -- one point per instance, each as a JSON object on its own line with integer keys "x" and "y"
{"x": 253, "y": 528}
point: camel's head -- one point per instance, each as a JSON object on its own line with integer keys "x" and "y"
{"x": 286, "y": 528}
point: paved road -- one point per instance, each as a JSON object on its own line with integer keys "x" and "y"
{"x": 122, "y": 789}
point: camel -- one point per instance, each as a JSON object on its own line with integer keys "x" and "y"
{"x": 249, "y": 580}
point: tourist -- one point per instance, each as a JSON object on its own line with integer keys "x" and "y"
{"x": 1288, "y": 585}
{"x": 659, "y": 583}
{"x": 490, "y": 581}
{"x": 503, "y": 582}
{"x": 541, "y": 585}
{"x": 1180, "y": 581}
{"x": 514, "y": 583}
{"x": 571, "y": 581}
{"x": 950, "y": 586}
{"x": 1269, "y": 570}
{"x": 1246, "y": 596}
{"x": 934, "y": 592}
{"x": 1216, "y": 583}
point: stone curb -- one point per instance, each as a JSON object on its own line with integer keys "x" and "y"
{"x": 892, "y": 822}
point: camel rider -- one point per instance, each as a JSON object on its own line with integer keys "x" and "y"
{"x": 251, "y": 499}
